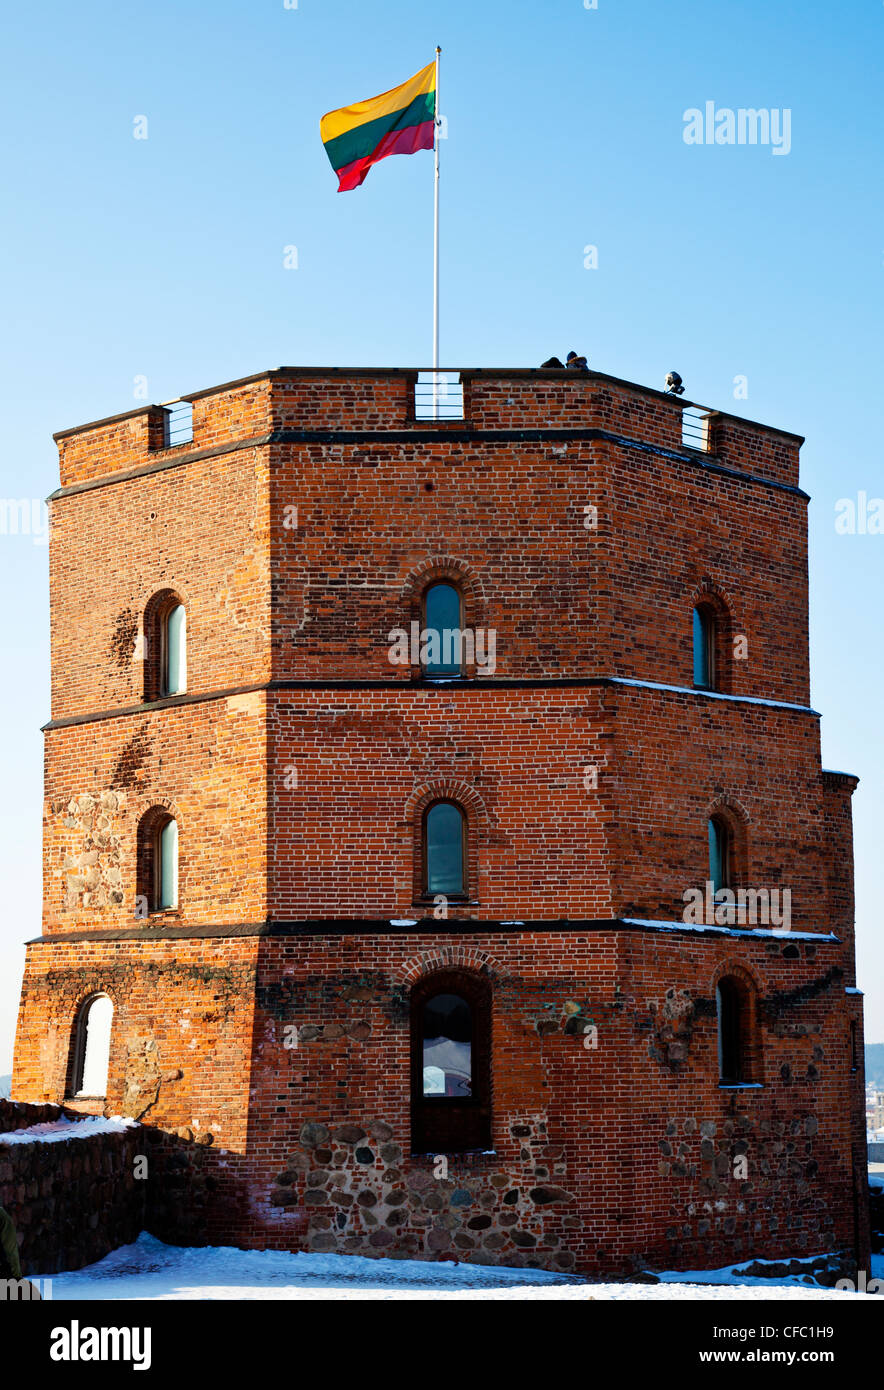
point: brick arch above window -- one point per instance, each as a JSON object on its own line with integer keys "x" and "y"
{"x": 446, "y": 957}
{"x": 709, "y": 591}
{"x": 730, "y": 807}
{"x": 444, "y": 569}
{"x": 473, "y": 808}
{"x": 749, "y": 974}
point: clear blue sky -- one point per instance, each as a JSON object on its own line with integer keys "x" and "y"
{"x": 164, "y": 258}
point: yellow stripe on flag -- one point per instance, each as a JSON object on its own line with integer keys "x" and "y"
{"x": 339, "y": 122}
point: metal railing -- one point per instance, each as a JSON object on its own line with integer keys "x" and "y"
{"x": 695, "y": 427}
{"x": 178, "y": 424}
{"x": 438, "y": 396}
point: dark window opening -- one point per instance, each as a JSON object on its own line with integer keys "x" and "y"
{"x": 739, "y": 1055}
{"x": 451, "y": 1063}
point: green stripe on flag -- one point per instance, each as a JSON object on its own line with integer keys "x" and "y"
{"x": 363, "y": 140}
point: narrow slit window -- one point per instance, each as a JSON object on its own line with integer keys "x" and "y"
{"x": 175, "y": 651}
{"x": 444, "y": 849}
{"x": 704, "y": 649}
{"x": 719, "y": 854}
{"x": 442, "y": 631}
{"x": 729, "y": 1003}
{"x": 167, "y": 866}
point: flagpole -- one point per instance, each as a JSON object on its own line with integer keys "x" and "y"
{"x": 436, "y": 250}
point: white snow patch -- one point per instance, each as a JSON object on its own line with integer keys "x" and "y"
{"x": 58, "y": 1131}
{"x": 149, "y": 1269}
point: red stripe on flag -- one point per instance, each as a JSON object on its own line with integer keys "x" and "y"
{"x": 408, "y": 141}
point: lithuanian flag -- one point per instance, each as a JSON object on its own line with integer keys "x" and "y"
{"x": 399, "y": 122}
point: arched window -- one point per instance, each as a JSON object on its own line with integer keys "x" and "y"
{"x": 444, "y": 849}
{"x": 164, "y": 649}
{"x": 174, "y": 651}
{"x": 720, "y": 853}
{"x": 158, "y": 860}
{"x": 704, "y": 647}
{"x": 442, "y": 628}
{"x": 451, "y": 1063}
{"x": 93, "y": 1047}
{"x": 738, "y": 1061}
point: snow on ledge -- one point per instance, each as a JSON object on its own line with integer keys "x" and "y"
{"x": 776, "y": 933}
{"x": 58, "y": 1131}
{"x": 712, "y": 694}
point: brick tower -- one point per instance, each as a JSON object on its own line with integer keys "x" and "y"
{"x": 402, "y": 939}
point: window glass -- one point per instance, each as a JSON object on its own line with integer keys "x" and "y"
{"x": 444, "y": 848}
{"x": 447, "y": 1046}
{"x": 718, "y": 855}
{"x": 703, "y": 648}
{"x": 96, "y": 1047}
{"x": 176, "y": 651}
{"x": 441, "y": 617}
{"x": 168, "y": 871}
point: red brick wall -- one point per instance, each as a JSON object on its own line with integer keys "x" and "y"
{"x": 206, "y": 765}
{"x": 199, "y": 530}
{"x": 564, "y": 600}
{"x": 181, "y": 1033}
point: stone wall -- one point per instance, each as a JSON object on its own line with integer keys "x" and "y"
{"x": 75, "y": 1200}
{"x": 71, "y": 1201}
{"x": 18, "y": 1115}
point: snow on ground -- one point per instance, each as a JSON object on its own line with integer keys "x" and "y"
{"x": 149, "y": 1269}
{"x": 57, "y": 1131}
